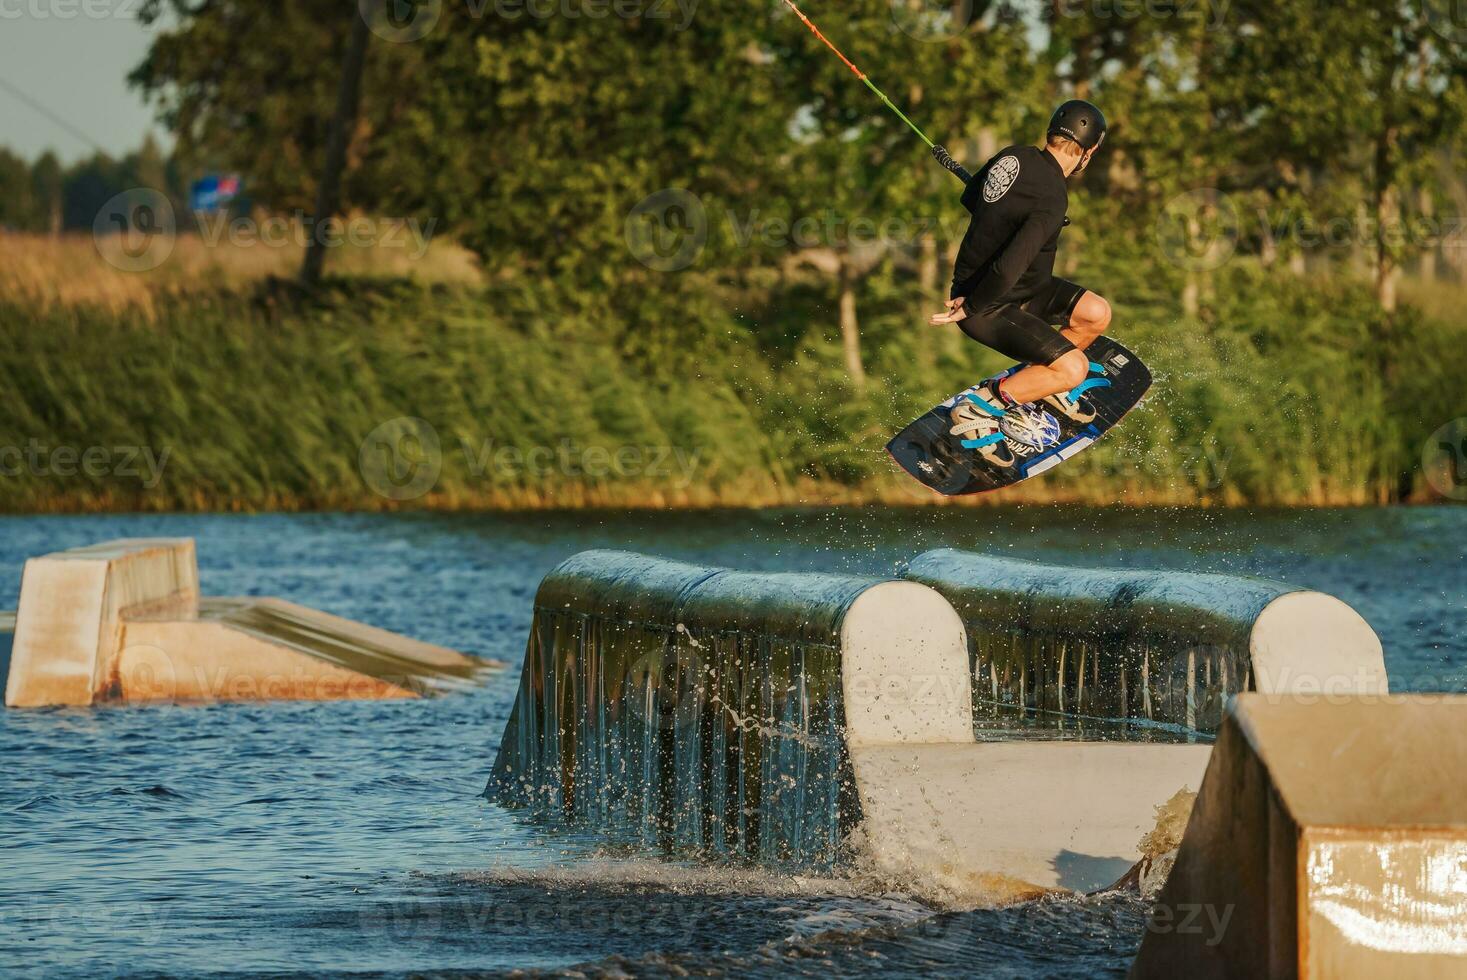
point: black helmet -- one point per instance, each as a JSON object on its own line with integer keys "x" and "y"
{"x": 1080, "y": 121}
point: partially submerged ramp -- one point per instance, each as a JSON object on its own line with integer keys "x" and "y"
{"x": 806, "y": 720}
{"x": 7, "y": 639}
{"x": 814, "y": 720}
{"x": 1143, "y": 652}
{"x": 712, "y": 711}
{"x": 1329, "y": 840}
{"x": 124, "y": 620}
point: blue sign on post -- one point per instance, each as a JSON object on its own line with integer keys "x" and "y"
{"x": 212, "y": 194}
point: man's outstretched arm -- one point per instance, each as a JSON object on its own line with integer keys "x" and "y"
{"x": 945, "y": 158}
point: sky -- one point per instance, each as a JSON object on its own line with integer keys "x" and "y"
{"x": 71, "y": 57}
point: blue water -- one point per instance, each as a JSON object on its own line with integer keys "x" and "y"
{"x": 350, "y": 837}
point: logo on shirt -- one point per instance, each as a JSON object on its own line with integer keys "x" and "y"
{"x": 1001, "y": 177}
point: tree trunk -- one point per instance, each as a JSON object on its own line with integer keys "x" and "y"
{"x": 1192, "y": 286}
{"x": 987, "y": 145}
{"x": 348, "y": 101}
{"x": 1268, "y": 252}
{"x": 927, "y": 265}
{"x": 850, "y": 329}
{"x": 1298, "y": 262}
{"x": 1387, "y": 223}
{"x": 1454, "y": 254}
{"x": 1360, "y": 257}
{"x": 1387, "y": 276}
{"x": 1191, "y": 295}
{"x": 1426, "y": 205}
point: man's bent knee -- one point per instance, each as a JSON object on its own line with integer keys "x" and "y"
{"x": 1092, "y": 313}
{"x": 1072, "y": 368}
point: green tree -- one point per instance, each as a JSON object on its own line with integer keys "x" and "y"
{"x": 18, "y": 210}
{"x": 553, "y": 129}
{"x": 47, "y": 182}
{"x": 1163, "y": 166}
{"x": 859, "y": 171}
{"x": 1358, "y": 95}
{"x": 89, "y": 184}
{"x": 252, "y": 87}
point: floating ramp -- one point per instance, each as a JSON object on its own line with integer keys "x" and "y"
{"x": 124, "y": 620}
{"x": 807, "y": 720}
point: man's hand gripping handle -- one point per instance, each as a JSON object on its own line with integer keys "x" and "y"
{"x": 940, "y": 154}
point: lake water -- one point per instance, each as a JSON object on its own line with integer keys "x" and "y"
{"x": 351, "y": 837}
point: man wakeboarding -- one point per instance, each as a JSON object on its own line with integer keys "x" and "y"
{"x": 1005, "y": 294}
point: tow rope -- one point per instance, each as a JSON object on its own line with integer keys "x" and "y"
{"x": 858, "y": 72}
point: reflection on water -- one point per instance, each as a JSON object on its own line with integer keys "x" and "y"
{"x": 351, "y": 837}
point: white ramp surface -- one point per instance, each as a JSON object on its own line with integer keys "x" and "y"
{"x": 1008, "y": 820}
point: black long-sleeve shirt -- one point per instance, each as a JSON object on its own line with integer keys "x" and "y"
{"x": 1018, "y": 201}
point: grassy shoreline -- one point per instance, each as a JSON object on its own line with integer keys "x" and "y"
{"x": 655, "y": 395}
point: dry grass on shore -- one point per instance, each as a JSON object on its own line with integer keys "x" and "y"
{"x": 71, "y": 270}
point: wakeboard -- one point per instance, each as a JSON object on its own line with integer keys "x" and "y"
{"x": 930, "y": 453}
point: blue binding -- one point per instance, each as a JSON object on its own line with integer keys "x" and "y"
{"x": 980, "y": 443}
{"x": 983, "y": 405}
{"x": 1097, "y": 368}
{"x": 1085, "y": 386}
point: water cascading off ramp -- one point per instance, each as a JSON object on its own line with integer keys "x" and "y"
{"x": 1141, "y": 654}
{"x": 806, "y": 720}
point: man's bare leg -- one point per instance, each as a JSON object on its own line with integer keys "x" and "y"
{"x": 1091, "y": 317}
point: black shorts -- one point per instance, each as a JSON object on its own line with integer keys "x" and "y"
{"x": 1025, "y": 330}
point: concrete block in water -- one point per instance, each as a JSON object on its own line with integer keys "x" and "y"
{"x": 124, "y": 621}
{"x": 805, "y": 720}
{"x": 1158, "y": 648}
{"x": 1329, "y": 840}
{"x": 7, "y": 639}
{"x": 708, "y": 710}
{"x": 1011, "y": 820}
{"x": 68, "y": 630}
